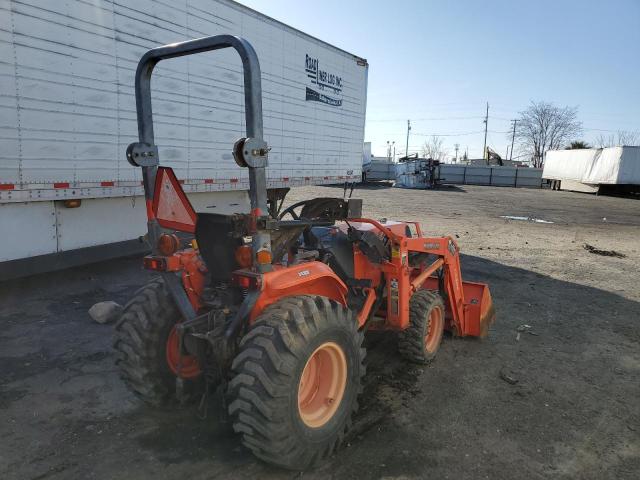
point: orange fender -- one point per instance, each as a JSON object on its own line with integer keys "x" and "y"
{"x": 311, "y": 278}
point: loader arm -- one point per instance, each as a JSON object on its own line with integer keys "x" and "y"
{"x": 469, "y": 304}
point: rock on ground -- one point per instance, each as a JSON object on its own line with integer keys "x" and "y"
{"x": 105, "y": 312}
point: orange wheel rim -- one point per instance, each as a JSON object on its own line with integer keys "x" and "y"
{"x": 434, "y": 329}
{"x": 322, "y": 385}
{"x": 185, "y": 366}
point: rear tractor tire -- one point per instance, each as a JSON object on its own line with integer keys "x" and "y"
{"x": 296, "y": 381}
{"x": 420, "y": 342}
{"x": 147, "y": 350}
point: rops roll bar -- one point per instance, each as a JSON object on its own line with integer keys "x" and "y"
{"x": 250, "y": 152}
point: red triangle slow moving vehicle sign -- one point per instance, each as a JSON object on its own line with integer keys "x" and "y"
{"x": 171, "y": 206}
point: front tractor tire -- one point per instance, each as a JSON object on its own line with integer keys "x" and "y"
{"x": 296, "y": 381}
{"x": 146, "y": 346}
{"x": 420, "y": 342}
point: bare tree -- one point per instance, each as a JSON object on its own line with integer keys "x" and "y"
{"x": 624, "y": 137}
{"x": 629, "y": 138}
{"x": 544, "y": 126}
{"x": 604, "y": 141}
{"x": 434, "y": 148}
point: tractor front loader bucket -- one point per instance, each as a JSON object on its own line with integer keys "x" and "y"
{"x": 479, "y": 311}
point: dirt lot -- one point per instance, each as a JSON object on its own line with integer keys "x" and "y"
{"x": 573, "y": 411}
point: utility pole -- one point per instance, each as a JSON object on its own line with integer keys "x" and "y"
{"x": 394, "y": 151}
{"x": 457, "y": 146}
{"x": 408, "y": 130}
{"x": 513, "y": 138}
{"x": 486, "y": 125}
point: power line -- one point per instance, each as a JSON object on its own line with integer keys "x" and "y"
{"x": 605, "y": 130}
{"x": 461, "y": 134}
{"x": 425, "y": 119}
{"x": 475, "y": 117}
{"x": 457, "y": 134}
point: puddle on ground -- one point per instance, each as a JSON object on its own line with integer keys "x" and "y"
{"x": 525, "y": 219}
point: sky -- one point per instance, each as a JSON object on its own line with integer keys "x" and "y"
{"x": 438, "y": 63}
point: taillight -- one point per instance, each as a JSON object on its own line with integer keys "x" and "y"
{"x": 243, "y": 282}
{"x": 162, "y": 264}
{"x": 155, "y": 263}
{"x": 168, "y": 244}
{"x": 247, "y": 280}
{"x": 263, "y": 257}
{"x": 243, "y": 256}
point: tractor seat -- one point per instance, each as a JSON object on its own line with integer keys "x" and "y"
{"x": 217, "y": 243}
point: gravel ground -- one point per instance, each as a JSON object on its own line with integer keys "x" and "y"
{"x": 556, "y": 400}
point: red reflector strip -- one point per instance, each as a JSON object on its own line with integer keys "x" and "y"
{"x": 285, "y": 179}
{"x": 208, "y": 180}
{"x": 234, "y": 180}
{"x": 7, "y": 186}
{"x": 107, "y": 184}
{"x": 61, "y": 185}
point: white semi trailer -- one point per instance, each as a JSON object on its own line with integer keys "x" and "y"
{"x": 67, "y": 113}
{"x": 594, "y": 170}
{"x": 374, "y": 168}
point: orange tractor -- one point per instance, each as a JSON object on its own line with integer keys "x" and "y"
{"x": 273, "y": 305}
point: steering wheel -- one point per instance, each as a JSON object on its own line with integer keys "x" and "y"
{"x": 290, "y": 210}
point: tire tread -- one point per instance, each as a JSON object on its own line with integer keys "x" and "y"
{"x": 264, "y": 373}
{"x": 139, "y": 343}
{"x": 411, "y": 340}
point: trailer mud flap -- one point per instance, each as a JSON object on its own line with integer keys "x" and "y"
{"x": 479, "y": 310}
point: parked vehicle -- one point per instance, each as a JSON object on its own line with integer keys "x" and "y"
{"x": 273, "y": 304}
{"x": 376, "y": 169}
{"x": 594, "y": 170}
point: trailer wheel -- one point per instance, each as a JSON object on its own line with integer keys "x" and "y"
{"x": 420, "y": 342}
{"x": 146, "y": 346}
{"x": 296, "y": 381}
